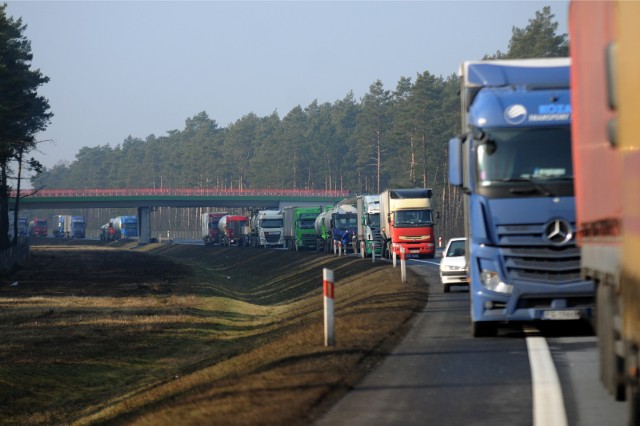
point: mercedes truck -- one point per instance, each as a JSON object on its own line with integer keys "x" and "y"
{"x": 513, "y": 163}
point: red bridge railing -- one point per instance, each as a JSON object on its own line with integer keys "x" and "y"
{"x": 129, "y": 192}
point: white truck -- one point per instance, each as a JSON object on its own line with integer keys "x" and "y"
{"x": 267, "y": 229}
{"x": 369, "y": 224}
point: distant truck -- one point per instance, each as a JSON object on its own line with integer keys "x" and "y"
{"x": 266, "y": 229}
{"x": 368, "y": 207}
{"x": 299, "y": 227}
{"x": 231, "y": 230}
{"x": 513, "y": 164}
{"x": 331, "y": 225}
{"x": 37, "y": 227}
{"x": 125, "y": 227}
{"x": 210, "y": 232}
{"x": 75, "y": 226}
{"x": 406, "y": 220}
{"x": 322, "y": 234}
{"x": 23, "y": 226}
{"x": 606, "y": 156}
{"x": 56, "y": 226}
{"x": 67, "y": 226}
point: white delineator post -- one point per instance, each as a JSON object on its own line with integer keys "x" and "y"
{"x": 393, "y": 250}
{"x": 403, "y": 265}
{"x": 362, "y": 249}
{"x": 335, "y": 247}
{"x": 373, "y": 252}
{"x": 329, "y": 322}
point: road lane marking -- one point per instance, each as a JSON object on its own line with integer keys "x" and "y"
{"x": 426, "y": 261}
{"x": 548, "y": 404}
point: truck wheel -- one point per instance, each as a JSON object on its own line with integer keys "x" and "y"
{"x": 483, "y": 329}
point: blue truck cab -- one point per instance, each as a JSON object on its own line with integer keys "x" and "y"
{"x": 513, "y": 164}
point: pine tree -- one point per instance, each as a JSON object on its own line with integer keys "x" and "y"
{"x": 22, "y": 112}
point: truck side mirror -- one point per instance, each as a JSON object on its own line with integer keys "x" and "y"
{"x": 455, "y": 161}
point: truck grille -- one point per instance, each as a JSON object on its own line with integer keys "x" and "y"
{"x": 308, "y": 240}
{"x": 377, "y": 237}
{"x": 272, "y": 237}
{"x": 527, "y": 255}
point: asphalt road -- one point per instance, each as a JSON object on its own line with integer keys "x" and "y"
{"x": 440, "y": 375}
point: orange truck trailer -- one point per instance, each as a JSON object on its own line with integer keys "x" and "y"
{"x": 605, "y": 102}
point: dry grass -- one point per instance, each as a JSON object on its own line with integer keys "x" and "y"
{"x": 189, "y": 335}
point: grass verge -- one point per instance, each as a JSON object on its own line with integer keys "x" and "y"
{"x": 189, "y": 335}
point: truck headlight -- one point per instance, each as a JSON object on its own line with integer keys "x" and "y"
{"x": 491, "y": 281}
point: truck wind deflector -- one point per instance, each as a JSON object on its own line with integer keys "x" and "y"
{"x": 411, "y": 193}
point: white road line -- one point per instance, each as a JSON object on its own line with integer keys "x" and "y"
{"x": 426, "y": 261}
{"x": 548, "y": 404}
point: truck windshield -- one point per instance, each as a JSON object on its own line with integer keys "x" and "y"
{"x": 412, "y": 218}
{"x": 307, "y": 222}
{"x": 525, "y": 156}
{"x": 344, "y": 221}
{"x": 373, "y": 219}
{"x": 271, "y": 223}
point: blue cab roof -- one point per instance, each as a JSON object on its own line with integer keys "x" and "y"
{"x": 551, "y": 72}
{"x": 507, "y": 93}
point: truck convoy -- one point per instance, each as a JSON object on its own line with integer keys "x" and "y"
{"x": 606, "y": 154}
{"x": 515, "y": 170}
{"x": 231, "y": 230}
{"x": 331, "y": 225}
{"x": 210, "y": 231}
{"x": 67, "y": 226}
{"x": 266, "y": 229}
{"x": 299, "y": 227}
{"x": 406, "y": 220}
{"x": 125, "y": 227}
{"x": 368, "y": 207}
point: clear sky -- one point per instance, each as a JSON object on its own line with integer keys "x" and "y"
{"x": 121, "y": 68}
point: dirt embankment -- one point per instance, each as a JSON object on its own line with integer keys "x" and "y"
{"x": 169, "y": 334}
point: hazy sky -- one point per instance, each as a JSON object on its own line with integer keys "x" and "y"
{"x": 121, "y": 68}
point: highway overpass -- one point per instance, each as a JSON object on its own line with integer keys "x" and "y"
{"x": 147, "y": 199}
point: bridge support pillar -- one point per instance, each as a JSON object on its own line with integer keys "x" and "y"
{"x": 144, "y": 225}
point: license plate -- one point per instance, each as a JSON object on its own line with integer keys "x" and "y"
{"x": 561, "y": 315}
